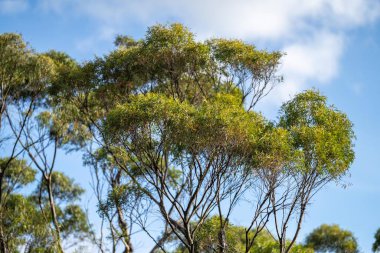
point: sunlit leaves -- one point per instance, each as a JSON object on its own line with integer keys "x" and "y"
{"x": 221, "y": 122}
{"x": 64, "y": 189}
{"x": 17, "y": 174}
{"x": 23, "y": 73}
{"x": 320, "y": 132}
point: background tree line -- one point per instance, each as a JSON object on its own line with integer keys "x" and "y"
{"x": 170, "y": 132}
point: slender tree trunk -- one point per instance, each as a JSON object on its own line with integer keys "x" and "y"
{"x": 222, "y": 240}
{"x": 283, "y": 245}
{"x": 124, "y": 229}
{"x": 54, "y": 215}
{"x": 302, "y": 213}
{"x": 192, "y": 249}
{"x": 3, "y": 244}
{"x": 126, "y": 238}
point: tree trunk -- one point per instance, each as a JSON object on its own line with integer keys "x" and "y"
{"x": 124, "y": 229}
{"x": 126, "y": 238}
{"x": 192, "y": 249}
{"x": 222, "y": 240}
{"x": 282, "y": 245}
{"x": 54, "y": 214}
{"x": 3, "y": 245}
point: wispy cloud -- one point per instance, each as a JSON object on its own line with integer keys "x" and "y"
{"x": 314, "y": 58}
{"x": 259, "y": 19}
{"x": 308, "y": 62}
{"x": 312, "y": 33}
{"x": 13, "y": 6}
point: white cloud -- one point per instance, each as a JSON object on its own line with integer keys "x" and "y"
{"x": 312, "y": 33}
{"x": 13, "y": 6}
{"x": 259, "y": 19}
{"x": 308, "y": 62}
{"x": 316, "y": 58}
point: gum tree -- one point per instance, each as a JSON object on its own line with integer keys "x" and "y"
{"x": 174, "y": 121}
{"x": 322, "y": 147}
{"x": 170, "y": 68}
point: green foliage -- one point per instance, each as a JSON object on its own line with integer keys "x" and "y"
{"x": 27, "y": 225}
{"x": 125, "y": 41}
{"x": 26, "y": 221}
{"x": 23, "y": 73}
{"x": 322, "y": 134}
{"x": 64, "y": 189}
{"x": 243, "y": 57}
{"x": 60, "y": 127}
{"x": 74, "y": 223}
{"x": 208, "y": 235}
{"x": 174, "y": 123}
{"x": 170, "y": 61}
{"x": 220, "y": 122}
{"x": 66, "y": 71}
{"x": 16, "y": 222}
{"x": 17, "y": 174}
{"x": 331, "y": 238}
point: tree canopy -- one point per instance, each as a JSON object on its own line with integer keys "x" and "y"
{"x": 169, "y": 126}
{"x": 331, "y": 238}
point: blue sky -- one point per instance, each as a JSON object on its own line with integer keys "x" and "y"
{"x": 332, "y": 45}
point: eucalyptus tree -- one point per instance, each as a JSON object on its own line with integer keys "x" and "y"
{"x": 174, "y": 119}
{"x": 42, "y": 137}
{"x": 322, "y": 152}
{"x": 169, "y": 66}
{"x": 56, "y": 218}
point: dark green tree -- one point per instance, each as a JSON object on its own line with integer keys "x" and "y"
{"x": 376, "y": 244}
{"x": 331, "y": 238}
